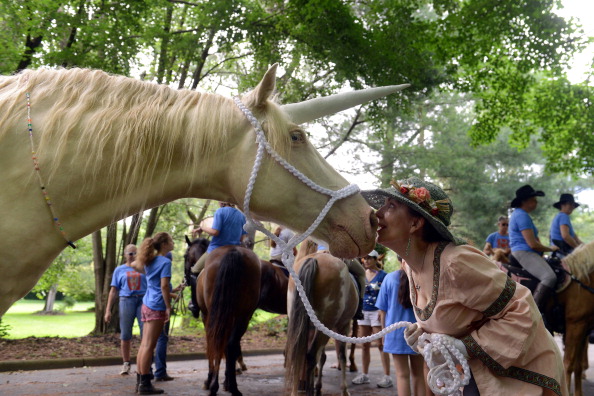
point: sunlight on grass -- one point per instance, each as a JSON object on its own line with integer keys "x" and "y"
{"x": 78, "y": 321}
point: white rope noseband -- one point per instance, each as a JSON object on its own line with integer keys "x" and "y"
{"x": 289, "y": 259}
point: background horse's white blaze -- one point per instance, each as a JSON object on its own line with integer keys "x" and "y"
{"x": 111, "y": 146}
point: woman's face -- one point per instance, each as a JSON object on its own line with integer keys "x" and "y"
{"x": 530, "y": 204}
{"x": 369, "y": 262}
{"x": 394, "y": 225}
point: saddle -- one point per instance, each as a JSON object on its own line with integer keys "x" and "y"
{"x": 529, "y": 280}
{"x": 554, "y": 317}
{"x": 279, "y": 264}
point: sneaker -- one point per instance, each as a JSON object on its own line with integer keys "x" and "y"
{"x": 385, "y": 382}
{"x": 361, "y": 379}
{"x": 125, "y": 369}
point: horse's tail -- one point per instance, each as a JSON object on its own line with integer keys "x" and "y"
{"x": 226, "y": 295}
{"x": 299, "y": 327}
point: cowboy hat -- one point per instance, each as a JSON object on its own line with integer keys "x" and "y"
{"x": 566, "y": 198}
{"x": 523, "y": 193}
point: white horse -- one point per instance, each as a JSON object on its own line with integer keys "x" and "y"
{"x": 110, "y": 146}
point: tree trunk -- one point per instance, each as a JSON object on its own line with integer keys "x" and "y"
{"x": 50, "y": 299}
{"x": 152, "y": 221}
{"x": 104, "y": 264}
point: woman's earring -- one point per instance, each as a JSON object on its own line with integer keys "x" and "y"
{"x": 407, "y": 247}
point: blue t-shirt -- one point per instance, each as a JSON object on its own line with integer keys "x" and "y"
{"x": 229, "y": 222}
{"x": 159, "y": 268}
{"x": 371, "y": 291}
{"x": 520, "y": 220}
{"x": 498, "y": 241}
{"x": 128, "y": 281}
{"x": 559, "y": 220}
{"x": 387, "y": 301}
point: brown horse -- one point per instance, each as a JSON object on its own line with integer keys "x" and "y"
{"x": 228, "y": 292}
{"x": 273, "y": 285}
{"x": 333, "y": 296}
{"x": 578, "y": 303}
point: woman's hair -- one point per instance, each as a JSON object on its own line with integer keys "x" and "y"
{"x": 404, "y": 291}
{"x": 151, "y": 246}
{"x": 429, "y": 234}
{"x": 277, "y": 233}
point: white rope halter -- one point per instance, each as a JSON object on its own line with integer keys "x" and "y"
{"x": 287, "y": 247}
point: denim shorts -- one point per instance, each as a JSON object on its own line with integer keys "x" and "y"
{"x": 130, "y": 308}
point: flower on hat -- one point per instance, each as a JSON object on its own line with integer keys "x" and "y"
{"x": 421, "y": 196}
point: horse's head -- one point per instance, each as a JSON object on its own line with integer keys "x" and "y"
{"x": 194, "y": 251}
{"x": 349, "y": 229}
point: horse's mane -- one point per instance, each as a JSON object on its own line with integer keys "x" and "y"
{"x": 147, "y": 126}
{"x": 581, "y": 261}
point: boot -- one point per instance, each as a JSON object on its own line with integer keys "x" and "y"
{"x": 146, "y": 387}
{"x": 541, "y": 296}
{"x": 137, "y": 382}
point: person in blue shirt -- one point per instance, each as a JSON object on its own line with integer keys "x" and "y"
{"x": 499, "y": 240}
{"x": 130, "y": 286}
{"x": 371, "y": 324}
{"x": 156, "y": 304}
{"x": 562, "y": 233}
{"x": 394, "y": 305}
{"x": 527, "y": 248}
{"x": 226, "y": 229}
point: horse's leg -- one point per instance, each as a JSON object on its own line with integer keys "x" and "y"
{"x": 241, "y": 367}
{"x": 352, "y": 364}
{"x": 311, "y": 362}
{"x": 214, "y": 384}
{"x": 232, "y": 353}
{"x": 575, "y": 339}
{"x": 320, "y": 370}
{"x": 342, "y": 364}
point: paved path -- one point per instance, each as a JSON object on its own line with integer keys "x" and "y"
{"x": 264, "y": 377}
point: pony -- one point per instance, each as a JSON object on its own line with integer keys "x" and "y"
{"x": 333, "y": 295}
{"x": 228, "y": 291}
{"x": 578, "y": 304}
{"x": 81, "y": 149}
{"x": 273, "y": 285}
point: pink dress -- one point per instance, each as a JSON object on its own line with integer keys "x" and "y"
{"x": 511, "y": 352}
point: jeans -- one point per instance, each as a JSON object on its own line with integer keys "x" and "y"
{"x": 161, "y": 352}
{"x": 130, "y": 308}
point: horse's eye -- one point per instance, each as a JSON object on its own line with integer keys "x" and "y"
{"x": 297, "y": 136}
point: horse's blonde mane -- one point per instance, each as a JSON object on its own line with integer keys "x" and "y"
{"x": 148, "y": 126}
{"x": 581, "y": 261}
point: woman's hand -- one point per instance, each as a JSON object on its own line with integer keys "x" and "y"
{"x": 411, "y": 336}
{"x": 107, "y": 316}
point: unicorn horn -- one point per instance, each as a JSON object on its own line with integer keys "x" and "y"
{"x": 312, "y": 109}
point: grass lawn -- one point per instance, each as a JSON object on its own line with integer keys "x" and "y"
{"x": 75, "y": 322}
{"x": 23, "y": 322}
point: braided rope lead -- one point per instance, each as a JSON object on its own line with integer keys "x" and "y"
{"x": 289, "y": 259}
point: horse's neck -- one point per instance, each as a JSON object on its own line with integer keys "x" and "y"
{"x": 84, "y": 200}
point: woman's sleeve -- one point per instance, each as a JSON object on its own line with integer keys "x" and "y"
{"x": 508, "y": 317}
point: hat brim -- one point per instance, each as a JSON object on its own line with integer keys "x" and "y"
{"x": 517, "y": 201}
{"x": 558, "y": 204}
{"x": 377, "y": 198}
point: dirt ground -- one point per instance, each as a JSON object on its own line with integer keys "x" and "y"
{"x": 263, "y": 336}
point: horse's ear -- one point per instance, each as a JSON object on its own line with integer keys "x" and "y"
{"x": 260, "y": 94}
{"x": 188, "y": 240}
